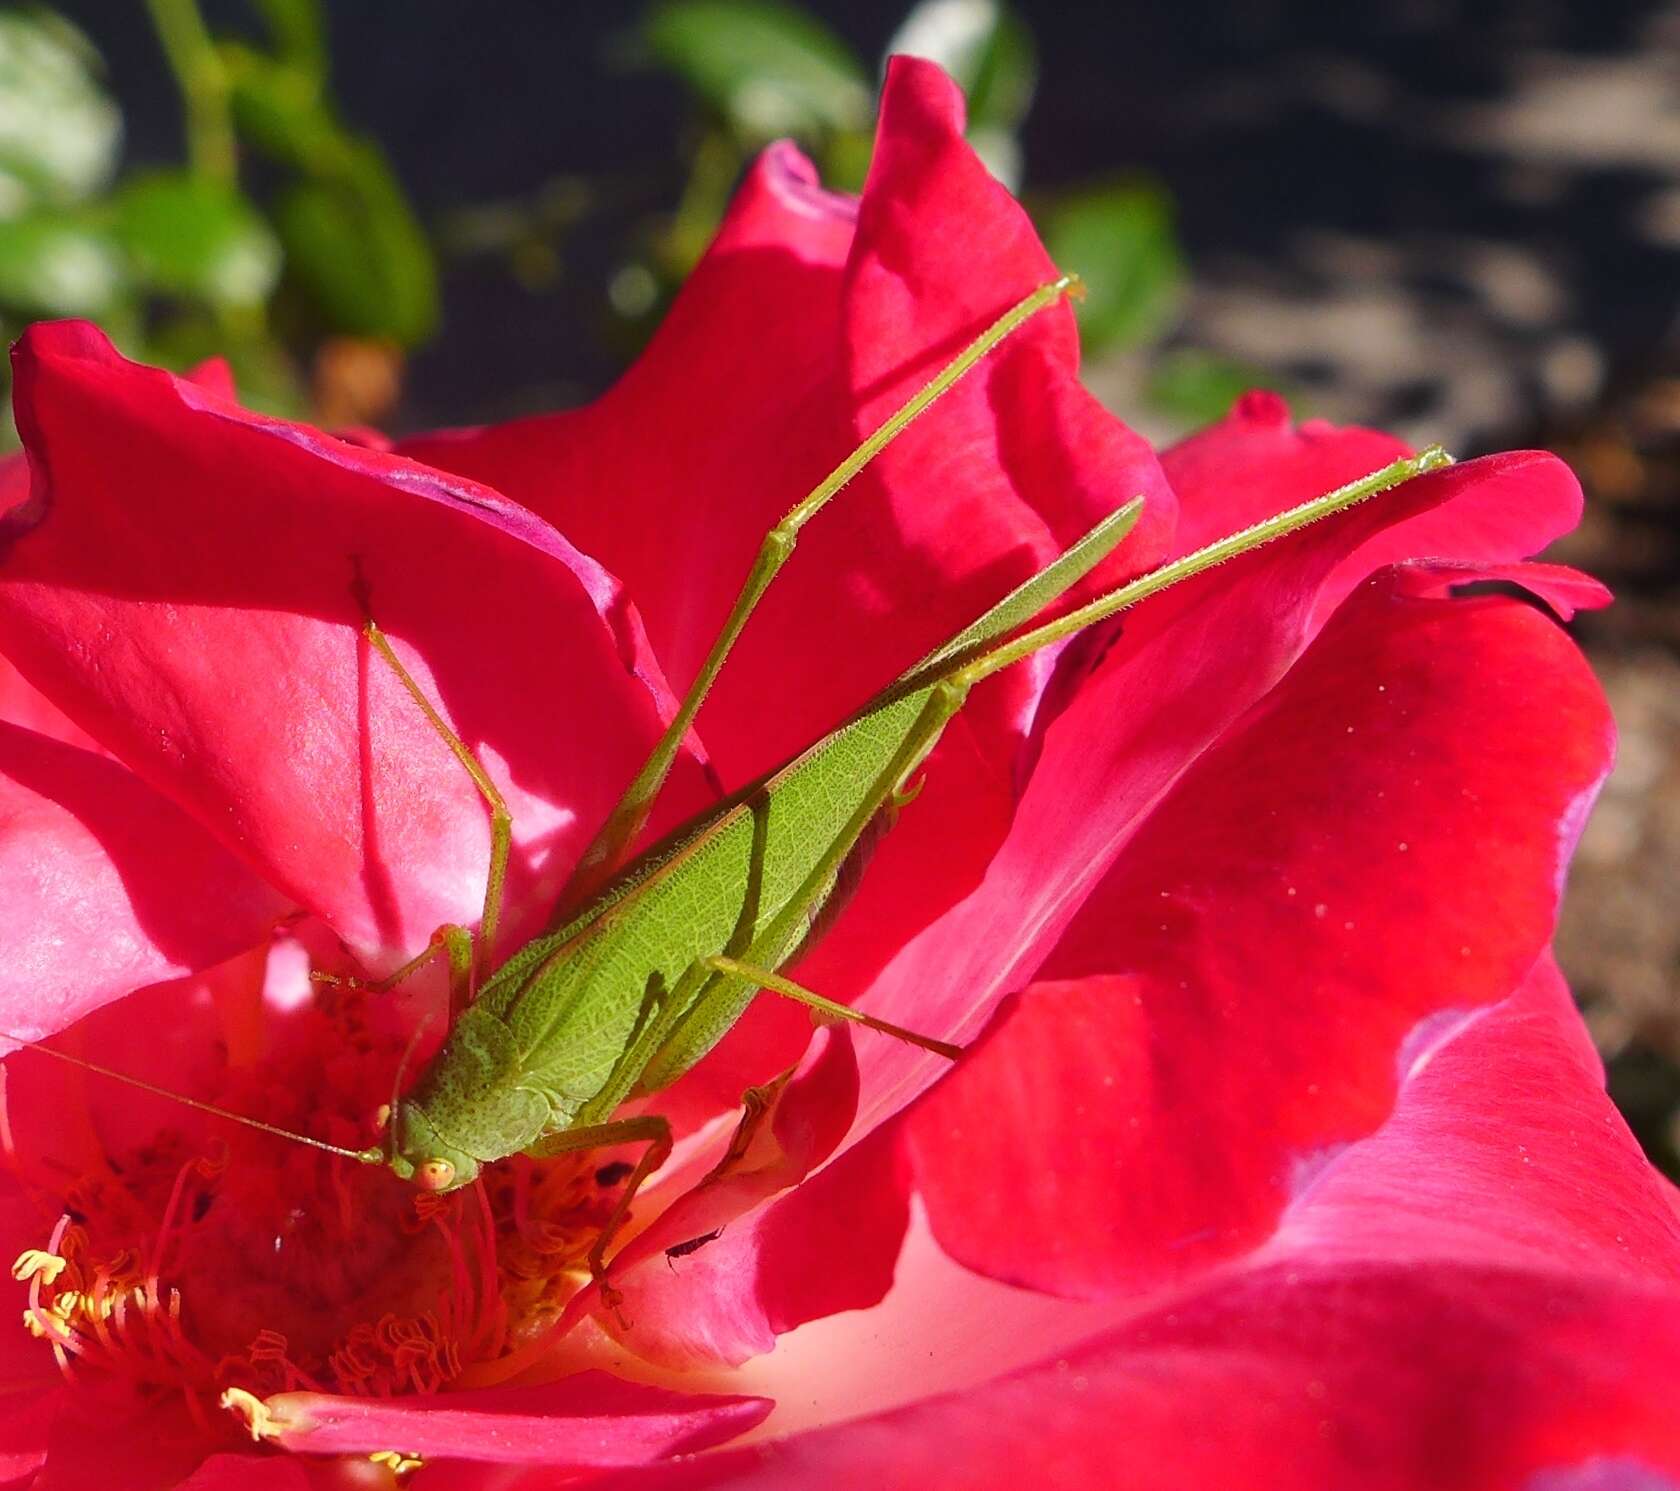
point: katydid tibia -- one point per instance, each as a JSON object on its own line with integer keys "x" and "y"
{"x": 653, "y": 960}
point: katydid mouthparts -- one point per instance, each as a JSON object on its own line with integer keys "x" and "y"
{"x": 652, "y": 959}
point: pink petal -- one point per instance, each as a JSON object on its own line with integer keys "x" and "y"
{"x": 181, "y": 1036}
{"x": 196, "y": 617}
{"x": 29, "y": 708}
{"x": 1381, "y": 838}
{"x": 1456, "y": 1379}
{"x": 26, "y": 1415}
{"x": 588, "y": 1420}
{"x": 1503, "y": 1149}
{"x": 827, "y": 1245}
{"x": 105, "y": 885}
{"x": 1257, "y": 461}
{"x": 107, "y": 1437}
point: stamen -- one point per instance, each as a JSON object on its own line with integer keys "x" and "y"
{"x": 34, "y": 1263}
{"x": 260, "y": 1420}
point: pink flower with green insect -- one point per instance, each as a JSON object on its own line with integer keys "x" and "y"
{"x": 1275, "y": 1141}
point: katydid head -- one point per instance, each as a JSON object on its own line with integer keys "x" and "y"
{"x": 416, "y": 1152}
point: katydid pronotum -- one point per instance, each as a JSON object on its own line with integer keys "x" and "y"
{"x": 653, "y": 959}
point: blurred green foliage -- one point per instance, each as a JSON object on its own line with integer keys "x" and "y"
{"x": 761, "y": 69}
{"x": 192, "y": 260}
{"x": 183, "y": 263}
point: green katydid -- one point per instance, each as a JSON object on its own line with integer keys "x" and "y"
{"x": 656, "y": 958}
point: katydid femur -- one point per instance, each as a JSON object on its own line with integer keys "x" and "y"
{"x": 657, "y": 957}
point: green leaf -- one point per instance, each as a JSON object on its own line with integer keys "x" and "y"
{"x": 196, "y": 239}
{"x": 59, "y": 133}
{"x": 351, "y": 239}
{"x": 766, "y": 67}
{"x": 280, "y": 109}
{"x": 1119, "y": 239}
{"x": 52, "y": 264}
{"x": 986, "y": 47}
{"x": 354, "y": 246}
{"x": 1198, "y": 387}
{"x": 299, "y": 31}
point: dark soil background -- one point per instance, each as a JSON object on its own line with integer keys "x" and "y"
{"x": 1461, "y": 221}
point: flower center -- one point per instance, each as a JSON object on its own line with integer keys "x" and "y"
{"x": 237, "y": 1260}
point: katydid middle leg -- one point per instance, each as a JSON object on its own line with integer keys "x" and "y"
{"x": 645, "y": 1128}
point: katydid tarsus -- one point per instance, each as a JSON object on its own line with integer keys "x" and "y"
{"x": 652, "y": 960}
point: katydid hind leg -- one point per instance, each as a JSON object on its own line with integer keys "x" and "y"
{"x": 614, "y": 841}
{"x": 647, "y": 1128}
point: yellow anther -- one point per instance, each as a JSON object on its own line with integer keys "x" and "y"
{"x": 396, "y": 1462}
{"x": 35, "y": 1263}
{"x": 259, "y": 1418}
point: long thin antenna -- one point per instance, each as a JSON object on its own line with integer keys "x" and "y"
{"x": 364, "y": 1156}
{"x": 396, "y": 1086}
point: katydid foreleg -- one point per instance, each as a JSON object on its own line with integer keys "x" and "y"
{"x": 454, "y": 942}
{"x": 470, "y": 959}
{"x": 501, "y": 821}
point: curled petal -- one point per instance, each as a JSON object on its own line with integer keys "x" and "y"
{"x": 1381, "y": 838}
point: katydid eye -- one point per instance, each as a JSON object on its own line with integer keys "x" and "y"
{"x": 433, "y": 1175}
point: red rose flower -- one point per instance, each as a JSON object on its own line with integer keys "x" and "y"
{"x": 1278, "y": 1158}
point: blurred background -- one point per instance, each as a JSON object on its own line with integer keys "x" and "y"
{"x": 1459, "y": 221}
